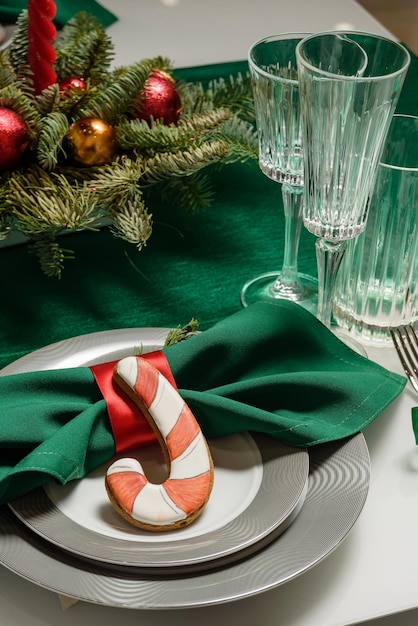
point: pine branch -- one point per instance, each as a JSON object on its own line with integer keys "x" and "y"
{"x": 6, "y": 226}
{"x": 115, "y": 183}
{"x": 48, "y": 204}
{"x": 194, "y": 98}
{"x": 45, "y": 196}
{"x": 241, "y": 138}
{"x": 148, "y": 139}
{"x": 204, "y": 122}
{"x": 117, "y": 95}
{"x": 6, "y": 216}
{"x": 49, "y": 100}
{"x": 18, "y": 48}
{"x": 132, "y": 223}
{"x": 50, "y": 254}
{"x": 235, "y": 94}
{"x": 52, "y": 130}
{"x": 159, "y": 62}
{"x": 7, "y": 75}
{"x": 84, "y": 49}
{"x": 165, "y": 165}
{"x": 181, "y": 333}
{"x": 192, "y": 192}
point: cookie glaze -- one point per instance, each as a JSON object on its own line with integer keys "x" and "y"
{"x": 179, "y": 499}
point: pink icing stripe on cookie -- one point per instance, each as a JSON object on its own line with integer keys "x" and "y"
{"x": 180, "y": 499}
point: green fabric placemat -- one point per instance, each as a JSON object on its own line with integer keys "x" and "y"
{"x": 66, "y": 9}
{"x": 193, "y": 266}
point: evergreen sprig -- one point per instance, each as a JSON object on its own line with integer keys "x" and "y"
{"x": 167, "y": 164}
{"x": 84, "y": 49}
{"x": 181, "y": 333}
{"x": 52, "y": 131}
{"x": 118, "y": 179}
{"x": 235, "y": 94}
{"x": 241, "y": 138}
{"x": 118, "y": 93}
{"x": 50, "y": 254}
{"x": 148, "y": 140}
{"x": 17, "y": 51}
{"x": 194, "y": 191}
{"x": 132, "y": 223}
{"x": 50, "y": 203}
{"x": 47, "y": 196}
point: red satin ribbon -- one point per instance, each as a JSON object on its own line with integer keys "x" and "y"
{"x": 130, "y": 428}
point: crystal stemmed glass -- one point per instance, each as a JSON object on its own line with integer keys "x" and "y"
{"x": 349, "y": 86}
{"x": 273, "y": 69}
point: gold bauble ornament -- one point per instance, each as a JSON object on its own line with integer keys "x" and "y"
{"x": 91, "y": 141}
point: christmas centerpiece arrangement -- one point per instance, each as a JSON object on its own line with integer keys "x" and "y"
{"x": 82, "y": 143}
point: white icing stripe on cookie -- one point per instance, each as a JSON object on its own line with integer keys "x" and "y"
{"x": 192, "y": 462}
{"x": 153, "y": 504}
{"x": 128, "y": 370}
{"x": 166, "y": 406}
{"x": 182, "y": 496}
{"x": 126, "y": 465}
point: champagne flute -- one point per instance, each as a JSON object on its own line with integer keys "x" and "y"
{"x": 349, "y": 86}
{"x": 273, "y": 69}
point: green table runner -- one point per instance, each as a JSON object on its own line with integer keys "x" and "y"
{"x": 194, "y": 264}
{"x": 66, "y": 9}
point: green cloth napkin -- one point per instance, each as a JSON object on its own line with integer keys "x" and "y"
{"x": 271, "y": 368}
{"x": 66, "y": 9}
{"x": 414, "y": 414}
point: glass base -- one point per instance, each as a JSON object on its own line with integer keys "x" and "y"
{"x": 267, "y": 287}
{"x": 344, "y": 337}
{"x": 374, "y": 330}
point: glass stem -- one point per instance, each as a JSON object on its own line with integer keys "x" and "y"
{"x": 329, "y": 256}
{"x": 292, "y": 205}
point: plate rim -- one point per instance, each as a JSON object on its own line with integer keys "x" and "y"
{"x": 25, "y": 554}
{"x": 43, "y": 515}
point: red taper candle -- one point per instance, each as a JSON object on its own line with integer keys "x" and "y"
{"x": 41, "y": 36}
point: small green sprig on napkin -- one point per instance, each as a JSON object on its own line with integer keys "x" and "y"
{"x": 181, "y": 333}
{"x": 175, "y": 335}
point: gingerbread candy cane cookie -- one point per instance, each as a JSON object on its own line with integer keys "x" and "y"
{"x": 179, "y": 499}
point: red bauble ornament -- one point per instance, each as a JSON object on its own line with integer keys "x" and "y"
{"x": 67, "y": 85}
{"x": 91, "y": 141}
{"x": 160, "y": 99}
{"x": 14, "y": 138}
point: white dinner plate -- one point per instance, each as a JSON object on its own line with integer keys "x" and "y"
{"x": 259, "y": 487}
{"x": 337, "y": 489}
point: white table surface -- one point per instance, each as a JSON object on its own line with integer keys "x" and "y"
{"x": 195, "y": 32}
{"x": 373, "y": 573}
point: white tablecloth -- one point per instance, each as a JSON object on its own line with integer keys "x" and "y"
{"x": 372, "y": 574}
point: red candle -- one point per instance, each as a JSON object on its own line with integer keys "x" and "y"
{"x": 41, "y": 36}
